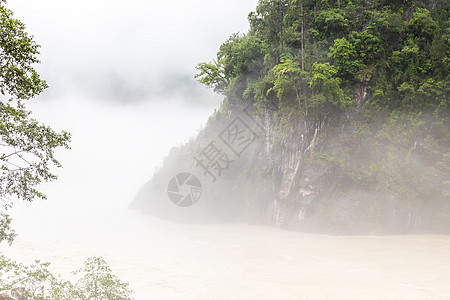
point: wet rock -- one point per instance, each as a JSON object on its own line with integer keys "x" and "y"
{"x": 17, "y": 293}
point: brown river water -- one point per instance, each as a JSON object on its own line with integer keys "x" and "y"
{"x": 164, "y": 260}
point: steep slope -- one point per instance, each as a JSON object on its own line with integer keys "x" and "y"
{"x": 335, "y": 120}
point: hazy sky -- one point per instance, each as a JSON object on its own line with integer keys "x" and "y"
{"x": 128, "y": 50}
{"x": 121, "y": 81}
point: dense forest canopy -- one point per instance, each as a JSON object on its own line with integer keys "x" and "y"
{"x": 322, "y": 56}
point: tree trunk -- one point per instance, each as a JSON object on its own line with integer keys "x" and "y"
{"x": 297, "y": 92}
{"x": 303, "y": 87}
{"x": 302, "y": 39}
{"x": 315, "y": 12}
{"x": 281, "y": 46}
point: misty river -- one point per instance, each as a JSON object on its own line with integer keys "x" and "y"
{"x": 164, "y": 260}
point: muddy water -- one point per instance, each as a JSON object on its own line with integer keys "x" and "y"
{"x": 163, "y": 260}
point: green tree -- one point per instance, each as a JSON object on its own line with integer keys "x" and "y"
{"x": 267, "y": 22}
{"x": 238, "y": 56}
{"x": 346, "y": 58}
{"x": 98, "y": 282}
{"x": 27, "y": 147}
{"x": 332, "y": 23}
{"x": 288, "y": 80}
{"x": 326, "y": 86}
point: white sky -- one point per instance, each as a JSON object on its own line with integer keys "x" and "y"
{"x": 121, "y": 81}
{"x": 137, "y": 44}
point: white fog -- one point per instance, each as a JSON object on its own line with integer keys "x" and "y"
{"x": 121, "y": 77}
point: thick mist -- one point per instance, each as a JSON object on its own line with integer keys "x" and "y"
{"x": 121, "y": 81}
{"x": 127, "y": 51}
{"x": 115, "y": 149}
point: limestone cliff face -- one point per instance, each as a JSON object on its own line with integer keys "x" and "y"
{"x": 299, "y": 175}
{"x": 308, "y": 194}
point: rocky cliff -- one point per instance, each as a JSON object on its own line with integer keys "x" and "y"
{"x": 335, "y": 120}
{"x": 354, "y": 174}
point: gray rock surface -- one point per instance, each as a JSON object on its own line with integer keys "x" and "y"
{"x": 280, "y": 181}
{"x": 17, "y": 293}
